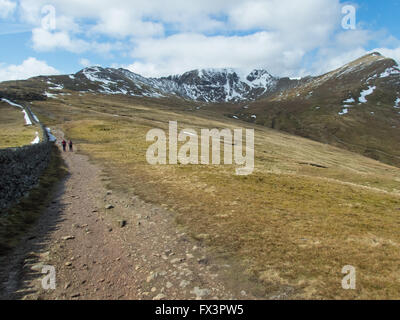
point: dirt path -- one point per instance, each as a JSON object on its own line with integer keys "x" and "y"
{"x": 132, "y": 250}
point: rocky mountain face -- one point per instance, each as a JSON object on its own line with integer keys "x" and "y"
{"x": 208, "y": 85}
{"x": 223, "y": 85}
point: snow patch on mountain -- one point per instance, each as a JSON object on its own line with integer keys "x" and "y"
{"x": 37, "y": 139}
{"x": 12, "y": 103}
{"x": 350, "y": 100}
{"x": 226, "y": 84}
{"x": 55, "y": 86}
{"x": 28, "y": 121}
{"x": 390, "y": 71}
{"x": 365, "y": 93}
{"x": 50, "y": 95}
{"x": 397, "y": 103}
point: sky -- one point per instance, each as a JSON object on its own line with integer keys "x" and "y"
{"x": 158, "y": 38}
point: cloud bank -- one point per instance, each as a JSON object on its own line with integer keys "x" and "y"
{"x": 286, "y": 37}
{"x": 29, "y": 68}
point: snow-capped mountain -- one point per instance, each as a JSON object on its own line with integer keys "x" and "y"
{"x": 225, "y": 85}
{"x": 208, "y": 85}
{"x": 356, "y": 106}
{"x": 222, "y": 85}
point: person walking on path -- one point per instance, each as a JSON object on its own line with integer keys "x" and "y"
{"x": 70, "y": 145}
{"x": 64, "y": 145}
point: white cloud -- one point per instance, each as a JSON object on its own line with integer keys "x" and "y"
{"x": 307, "y": 21}
{"x": 31, "y": 67}
{"x": 117, "y": 17}
{"x": 352, "y": 39}
{"x": 183, "y": 52}
{"x": 178, "y": 35}
{"x": 329, "y": 60}
{"x": 44, "y": 40}
{"x": 121, "y": 23}
{"x": 347, "y": 46}
{"x": 392, "y": 53}
{"x": 85, "y": 62}
{"x": 344, "y": 47}
{"x": 6, "y": 8}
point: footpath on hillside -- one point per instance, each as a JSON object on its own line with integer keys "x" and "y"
{"x": 108, "y": 246}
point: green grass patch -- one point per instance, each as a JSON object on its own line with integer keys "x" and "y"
{"x": 14, "y": 132}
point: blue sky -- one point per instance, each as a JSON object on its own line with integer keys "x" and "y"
{"x": 286, "y": 37}
{"x": 376, "y": 14}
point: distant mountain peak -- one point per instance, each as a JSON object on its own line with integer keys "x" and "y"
{"x": 376, "y": 54}
{"x": 370, "y": 58}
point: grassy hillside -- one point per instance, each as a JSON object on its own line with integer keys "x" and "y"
{"x": 14, "y": 132}
{"x": 314, "y": 109}
{"x": 307, "y": 210}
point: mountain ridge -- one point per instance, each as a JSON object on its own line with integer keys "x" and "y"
{"x": 210, "y": 85}
{"x": 355, "y": 107}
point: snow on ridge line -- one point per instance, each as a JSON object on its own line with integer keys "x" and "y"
{"x": 26, "y": 117}
{"x": 366, "y": 93}
{"x": 389, "y": 72}
{"x": 235, "y": 90}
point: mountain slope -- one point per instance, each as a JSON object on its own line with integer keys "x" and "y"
{"x": 355, "y": 107}
{"x": 307, "y": 210}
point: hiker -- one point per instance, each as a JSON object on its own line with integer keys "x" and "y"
{"x": 64, "y": 144}
{"x": 70, "y": 145}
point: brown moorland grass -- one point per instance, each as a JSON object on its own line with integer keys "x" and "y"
{"x": 290, "y": 226}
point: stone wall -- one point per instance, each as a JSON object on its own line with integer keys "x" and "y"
{"x": 21, "y": 168}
